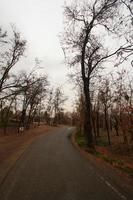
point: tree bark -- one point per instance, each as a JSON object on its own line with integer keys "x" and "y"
{"x": 87, "y": 121}
{"x": 97, "y": 123}
{"x": 107, "y": 126}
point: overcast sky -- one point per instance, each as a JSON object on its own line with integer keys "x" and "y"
{"x": 40, "y": 22}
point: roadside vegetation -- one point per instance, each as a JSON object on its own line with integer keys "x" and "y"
{"x": 104, "y": 154}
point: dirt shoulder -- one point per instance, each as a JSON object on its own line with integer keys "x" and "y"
{"x": 13, "y": 146}
{"x": 117, "y": 177}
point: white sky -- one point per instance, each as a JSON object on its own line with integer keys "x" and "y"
{"x": 40, "y": 22}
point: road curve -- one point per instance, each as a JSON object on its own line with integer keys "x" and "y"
{"x": 52, "y": 169}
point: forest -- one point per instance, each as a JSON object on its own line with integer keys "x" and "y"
{"x": 58, "y": 142}
{"x": 25, "y": 97}
{"x": 98, "y": 45}
{"x": 97, "y": 42}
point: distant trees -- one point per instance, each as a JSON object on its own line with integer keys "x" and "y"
{"x": 54, "y": 111}
{"x": 58, "y": 101}
{"x": 105, "y": 97}
{"x": 87, "y": 23}
{"x": 33, "y": 92}
{"x": 124, "y": 108}
{"x": 25, "y": 98}
{"x": 112, "y": 109}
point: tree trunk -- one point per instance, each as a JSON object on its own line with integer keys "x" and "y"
{"x": 97, "y": 123}
{"x": 29, "y": 118}
{"x": 131, "y": 127}
{"x": 94, "y": 129}
{"x": 116, "y": 126}
{"x": 110, "y": 123}
{"x": 107, "y": 126}
{"x": 88, "y": 118}
{"x": 22, "y": 120}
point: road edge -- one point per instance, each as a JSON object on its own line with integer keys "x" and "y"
{"x": 120, "y": 179}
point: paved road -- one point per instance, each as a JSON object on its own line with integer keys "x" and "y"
{"x": 52, "y": 169}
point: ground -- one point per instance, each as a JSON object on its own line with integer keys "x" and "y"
{"x": 116, "y": 155}
{"x": 13, "y": 145}
{"x": 65, "y": 174}
{"x": 51, "y": 168}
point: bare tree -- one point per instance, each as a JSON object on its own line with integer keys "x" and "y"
{"x": 50, "y": 107}
{"x": 58, "y": 102}
{"x": 106, "y": 99}
{"x": 33, "y": 90}
{"x": 83, "y": 47}
{"x": 15, "y": 48}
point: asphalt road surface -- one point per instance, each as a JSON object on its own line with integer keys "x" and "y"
{"x": 52, "y": 169}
